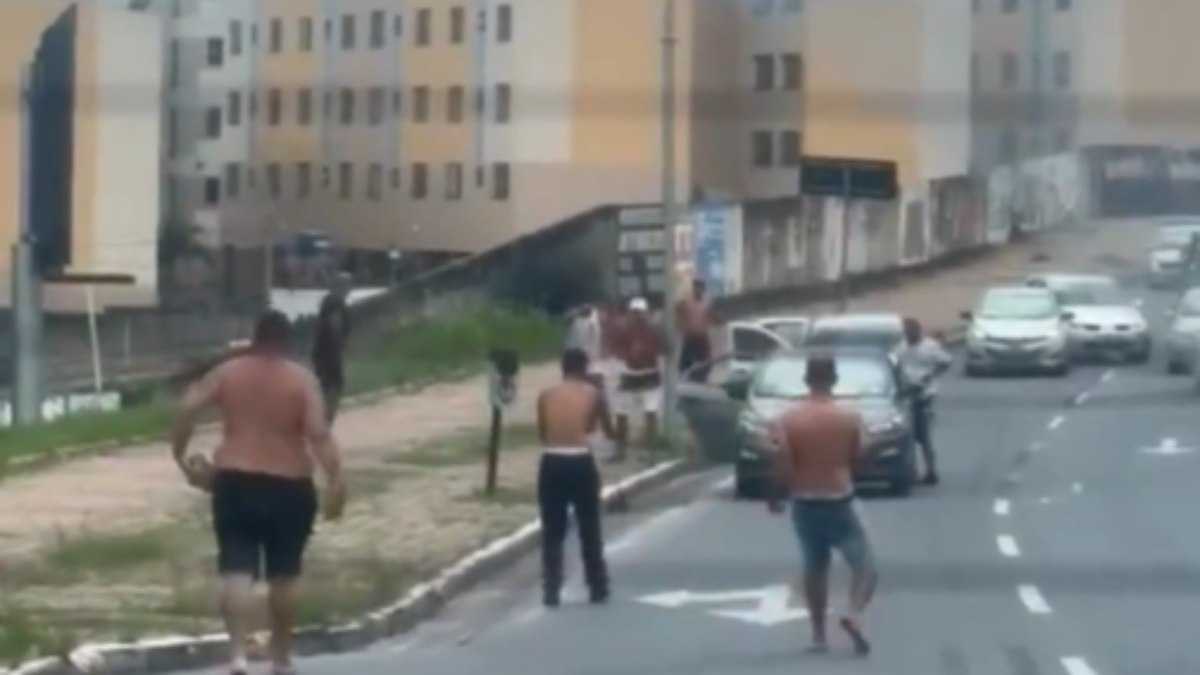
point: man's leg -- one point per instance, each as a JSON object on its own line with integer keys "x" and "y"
{"x": 293, "y": 515}
{"x": 552, "y": 507}
{"x": 282, "y": 599}
{"x": 651, "y": 403}
{"x": 817, "y": 557}
{"x": 856, "y": 550}
{"x": 238, "y": 549}
{"x": 237, "y": 604}
{"x": 923, "y": 438}
{"x": 585, "y": 501}
{"x": 333, "y": 401}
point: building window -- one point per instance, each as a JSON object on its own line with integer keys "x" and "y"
{"x": 1062, "y": 140}
{"x": 348, "y": 31}
{"x": 327, "y": 105}
{"x": 274, "y": 181}
{"x": 762, "y": 146}
{"x": 421, "y": 104}
{"x": 235, "y": 38}
{"x": 1062, "y": 5}
{"x": 212, "y": 191}
{"x": 480, "y": 176}
{"x": 251, "y": 178}
{"x": 304, "y": 106}
{"x": 1008, "y": 69}
{"x": 1062, "y": 70}
{"x": 378, "y": 29}
{"x": 398, "y": 25}
{"x": 791, "y": 70}
{"x": 455, "y": 102}
{"x": 398, "y": 103}
{"x": 420, "y": 181}
{"x": 789, "y": 148}
{"x": 1010, "y": 6}
{"x": 274, "y": 107}
{"x": 276, "y": 35}
{"x": 253, "y": 43}
{"x": 252, "y": 106}
{"x": 764, "y": 72}
{"x": 303, "y": 180}
{"x": 233, "y": 180}
{"x": 458, "y": 27}
{"x": 215, "y": 53}
{"x": 793, "y": 6}
{"x": 375, "y": 106}
{"x": 394, "y": 177}
{"x": 424, "y": 27}
{"x": 347, "y": 106}
{"x": 503, "y": 103}
{"x": 212, "y": 123}
{"x": 326, "y": 177}
{"x": 375, "y": 182}
{"x": 328, "y": 31}
{"x": 234, "y": 113}
{"x": 454, "y": 181}
{"x": 306, "y": 34}
{"x": 500, "y": 178}
{"x": 504, "y": 23}
{"x": 345, "y": 180}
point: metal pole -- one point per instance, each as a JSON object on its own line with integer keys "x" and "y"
{"x": 26, "y": 291}
{"x": 94, "y": 335}
{"x": 671, "y": 371}
{"x": 844, "y": 263}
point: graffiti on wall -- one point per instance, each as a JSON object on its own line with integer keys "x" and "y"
{"x": 957, "y": 217}
{"x": 915, "y": 245}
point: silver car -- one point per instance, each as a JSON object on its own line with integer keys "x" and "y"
{"x": 1018, "y": 329}
{"x": 1184, "y": 334}
{"x": 753, "y": 340}
{"x": 1104, "y": 322}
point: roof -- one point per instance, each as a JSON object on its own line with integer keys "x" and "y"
{"x": 836, "y": 351}
{"x": 879, "y": 320}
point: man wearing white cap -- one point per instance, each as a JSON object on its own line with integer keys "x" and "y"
{"x": 640, "y": 382}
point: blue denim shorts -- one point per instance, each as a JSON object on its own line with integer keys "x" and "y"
{"x": 825, "y": 526}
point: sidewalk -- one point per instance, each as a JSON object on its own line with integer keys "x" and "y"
{"x": 139, "y": 489}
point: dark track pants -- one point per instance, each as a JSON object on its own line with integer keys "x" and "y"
{"x": 571, "y": 483}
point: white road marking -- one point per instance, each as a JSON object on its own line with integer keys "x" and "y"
{"x": 1082, "y": 398}
{"x": 1001, "y": 507}
{"x": 722, "y": 484}
{"x": 1036, "y": 447}
{"x": 1108, "y": 375}
{"x": 1076, "y": 665}
{"x": 1033, "y": 600}
{"x": 1008, "y": 546}
{"x": 1077, "y": 488}
{"x": 1055, "y": 423}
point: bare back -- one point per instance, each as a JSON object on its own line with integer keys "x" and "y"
{"x": 693, "y": 316}
{"x": 568, "y": 413}
{"x": 820, "y": 443}
{"x": 271, "y": 410}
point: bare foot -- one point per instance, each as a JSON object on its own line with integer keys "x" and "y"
{"x": 850, "y": 625}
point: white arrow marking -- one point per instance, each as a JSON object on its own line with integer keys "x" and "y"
{"x": 676, "y": 599}
{"x": 1169, "y": 446}
{"x": 773, "y": 609}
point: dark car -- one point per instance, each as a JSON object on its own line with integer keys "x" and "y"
{"x": 730, "y": 415}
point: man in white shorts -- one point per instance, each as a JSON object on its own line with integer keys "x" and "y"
{"x": 639, "y": 387}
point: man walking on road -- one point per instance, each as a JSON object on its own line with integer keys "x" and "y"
{"x": 819, "y": 444}
{"x": 568, "y": 480}
{"x": 639, "y": 387}
{"x": 923, "y": 360}
{"x": 695, "y": 320}
{"x": 264, "y": 500}
{"x": 329, "y": 347}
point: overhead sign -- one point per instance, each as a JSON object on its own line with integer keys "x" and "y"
{"x": 767, "y": 607}
{"x": 848, "y": 178}
{"x": 712, "y": 221}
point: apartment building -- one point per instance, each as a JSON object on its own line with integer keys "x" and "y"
{"x": 96, "y": 144}
{"x": 1052, "y": 75}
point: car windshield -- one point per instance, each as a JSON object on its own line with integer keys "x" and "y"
{"x": 883, "y": 338}
{"x": 1177, "y": 236}
{"x": 1190, "y": 305}
{"x": 1091, "y": 293}
{"x": 794, "y": 332}
{"x": 1017, "y": 305}
{"x": 858, "y": 377}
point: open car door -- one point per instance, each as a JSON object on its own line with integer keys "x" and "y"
{"x": 712, "y": 406}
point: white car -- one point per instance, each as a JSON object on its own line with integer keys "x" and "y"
{"x": 1016, "y": 329}
{"x": 1104, "y": 322}
{"x": 1166, "y": 256}
{"x": 753, "y": 340}
{"x": 1183, "y": 337}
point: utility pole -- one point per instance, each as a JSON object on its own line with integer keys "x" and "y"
{"x": 269, "y": 258}
{"x": 671, "y": 372}
{"x": 26, "y": 286}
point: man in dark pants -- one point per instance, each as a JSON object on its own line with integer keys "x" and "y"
{"x": 568, "y": 479}
{"x": 923, "y": 360}
{"x": 329, "y": 347}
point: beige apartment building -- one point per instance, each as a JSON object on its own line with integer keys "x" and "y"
{"x": 1052, "y": 75}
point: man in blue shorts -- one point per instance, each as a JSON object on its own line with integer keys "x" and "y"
{"x": 819, "y": 443}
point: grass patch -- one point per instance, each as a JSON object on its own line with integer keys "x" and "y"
{"x": 412, "y": 353}
{"x": 465, "y": 447}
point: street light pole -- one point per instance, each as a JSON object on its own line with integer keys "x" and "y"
{"x": 669, "y": 217}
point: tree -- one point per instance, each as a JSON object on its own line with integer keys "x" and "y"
{"x": 177, "y": 240}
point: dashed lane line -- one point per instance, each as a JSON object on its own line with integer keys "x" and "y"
{"x": 1008, "y": 546}
{"x": 1077, "y": 665}
{"x": 1033, "y": 600}
{"x": 1001, "y": 507}
{"x": 1055, "y": 423}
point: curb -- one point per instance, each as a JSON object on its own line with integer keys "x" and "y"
{"x": 422, "y": 602}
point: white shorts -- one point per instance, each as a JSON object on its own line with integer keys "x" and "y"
{"x": 644, "y": 402}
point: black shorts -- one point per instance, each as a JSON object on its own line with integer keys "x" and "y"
{"x": 262, "y": 523}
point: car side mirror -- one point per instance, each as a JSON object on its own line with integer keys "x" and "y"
{"x": 737, "y": 387}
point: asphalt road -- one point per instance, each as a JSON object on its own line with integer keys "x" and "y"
{"x": 1055, "y": 544}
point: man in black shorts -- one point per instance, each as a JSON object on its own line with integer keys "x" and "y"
{"x": 264, "y": 500}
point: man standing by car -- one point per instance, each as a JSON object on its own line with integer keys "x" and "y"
{"x": 922, "y": 360}
{"x": 819, "y": 444}
{"x": 695, "y": 321}
{"x": 639, "y": 385}
{"x": 329, "y": 347}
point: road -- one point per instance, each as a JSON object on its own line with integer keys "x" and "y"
{"x": 1062, "y": 540}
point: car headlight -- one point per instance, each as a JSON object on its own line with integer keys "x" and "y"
{"x": 885, "y": 426}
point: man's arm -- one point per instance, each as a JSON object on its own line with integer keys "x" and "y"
{"x": 198, "y": 397}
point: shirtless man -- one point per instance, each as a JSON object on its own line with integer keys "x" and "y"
{"x": 568, "y": 479}
{"x": 639, "y": 387}
{"x": 819, "y": 445}
{"x": 264, "y": 500}
{"x": 695, "y": 321}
